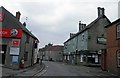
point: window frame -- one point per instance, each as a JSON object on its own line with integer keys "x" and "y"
{"x": 26, "y": 56}
{"x": 27, "y": 38}
{"x": 117, "y": 31}
{"x": 118, "y": 58}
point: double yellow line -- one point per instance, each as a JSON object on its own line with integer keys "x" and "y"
{"x": 38, "y": 71}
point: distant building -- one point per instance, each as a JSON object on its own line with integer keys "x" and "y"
{"x": 85, "y": 46}
{"x": 112, "y": 54}
{"x": 119, "y": 9}
{"x": 18, "y": 43}
{"x": 52, "y": 52}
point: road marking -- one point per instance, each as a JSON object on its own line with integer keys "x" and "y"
{"x": 41, "y": 73}
{"x": 37, "y": 73}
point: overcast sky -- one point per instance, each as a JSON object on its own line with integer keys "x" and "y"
{"x": 51, "y": 21}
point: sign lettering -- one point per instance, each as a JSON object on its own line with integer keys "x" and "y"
{"x": 17, "y": 33}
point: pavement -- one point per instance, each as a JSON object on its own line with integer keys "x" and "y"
{"x": 30, "y": 71}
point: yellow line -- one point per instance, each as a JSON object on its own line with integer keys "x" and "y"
{"x": 38, "y": 71}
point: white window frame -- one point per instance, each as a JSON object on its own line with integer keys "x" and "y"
{"x": 118, "y": 30}
{"x": 68, "y": 58}
{"x": 83, "y": 37}
{"x": 118, "y": 58}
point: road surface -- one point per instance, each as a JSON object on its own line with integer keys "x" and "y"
{"x": 62, "y": 69}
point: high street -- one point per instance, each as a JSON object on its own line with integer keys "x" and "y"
{"x": 62, "y": 69}
{"x": 56, "y": 69}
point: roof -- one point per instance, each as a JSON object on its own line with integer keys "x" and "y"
{"x": 18, "y": 22}
{"x": 52, "y": 48}
{"x": 114, "y": 22}
{"x": 88, "y": 26}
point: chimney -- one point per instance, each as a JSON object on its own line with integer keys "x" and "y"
{"x": 18, "y": 15}
{"x": 81, "y": 26}
{"x": 100, "y": 11}
{"x": 24, "y": 24}
{"x": 71, "y": 35}
{"x": 50, "y": 44}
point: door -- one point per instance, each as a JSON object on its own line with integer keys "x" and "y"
{"x": 3, "y": 53}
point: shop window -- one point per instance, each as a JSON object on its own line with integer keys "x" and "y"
{"x": 118, "y": 58}
{"x": 118, "y": 31}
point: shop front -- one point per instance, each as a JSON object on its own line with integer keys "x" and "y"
{"x": 10, "y": 46}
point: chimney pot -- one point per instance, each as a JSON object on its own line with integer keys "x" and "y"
{"x": 100, "y": 11}
{"x": 72, "y": 34}
{"x": 81, "y": 26}
{"x": 18, "y": 15}
{"x": 24, "y": 24}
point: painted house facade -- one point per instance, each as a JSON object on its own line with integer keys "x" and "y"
{"x": 85, "y": 46}
{"x": 52, "y": 52}
{"x": 113, "y": 48}
{"x": 17, "y": 42}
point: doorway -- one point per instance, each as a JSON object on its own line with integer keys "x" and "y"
{"x": 3, "y": 53}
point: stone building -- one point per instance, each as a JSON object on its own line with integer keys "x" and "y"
{"x": 16, "y": 41}
{"x": 85, "y": 46}
{"x": 52, "y": 52}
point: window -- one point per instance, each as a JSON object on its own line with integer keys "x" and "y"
{"x": 25, "y": 56}
{"x": 27, "y": 38}
{"x": 14, "y": 58}
{"x": 83, "y": 37}
{"x": 118, "y": 58}
{"x": 36, "y": 45}
{"x": 118, "y": 31}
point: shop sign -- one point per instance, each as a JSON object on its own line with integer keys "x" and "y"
{"x": 1, "y": 16}
{"x": 17, "y": 33}
{"x": 101, "y": 40}
{"x": 14, "y": 51}
{"x": 15, "y": 42}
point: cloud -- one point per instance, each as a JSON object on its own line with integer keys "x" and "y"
{"x": 53, "y": 20}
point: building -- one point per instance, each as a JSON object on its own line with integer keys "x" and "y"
{"x": 85, "y": 46}
{"x": 52, "y": 52}
{"x": 17, "y": 42}
{"x": 112, "y": 54}
{"x": 119, "y": 9}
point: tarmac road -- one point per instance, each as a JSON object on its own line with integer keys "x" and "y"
{"x": 62, "y": 69}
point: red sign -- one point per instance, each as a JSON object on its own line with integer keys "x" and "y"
{"x": 15, "y": 42}
{"x": 17, "y": 33}
{"x": 1, "y": 16}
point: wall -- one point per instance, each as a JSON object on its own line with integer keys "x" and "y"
{"x": 27, "y": 47}
{"x": 97, "y": 31}
{"x": 112, "y": 48}
{"x": 82, "y": 43}
{"x": 11, "y": 22}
